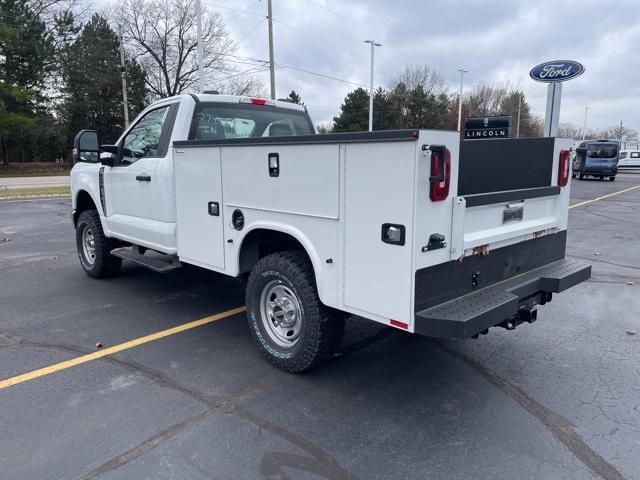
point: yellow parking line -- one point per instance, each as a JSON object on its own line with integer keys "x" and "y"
{"x": 56, "y": 367}
{"x": 603, "y": 197}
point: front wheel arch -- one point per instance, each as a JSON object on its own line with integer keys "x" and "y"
{"x": 83, "y": 202}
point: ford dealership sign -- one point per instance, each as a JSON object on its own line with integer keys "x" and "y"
{"x": 557, "y": 71}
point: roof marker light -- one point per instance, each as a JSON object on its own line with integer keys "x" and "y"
{"x": 256, "y": 101}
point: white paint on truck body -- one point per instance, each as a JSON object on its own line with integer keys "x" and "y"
{"x": 333, "y": 198}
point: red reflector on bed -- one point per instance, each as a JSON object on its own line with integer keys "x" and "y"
{"x": 399, "y": 324}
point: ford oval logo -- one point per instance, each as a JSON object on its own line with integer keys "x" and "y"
{"x": 557, "y": 71}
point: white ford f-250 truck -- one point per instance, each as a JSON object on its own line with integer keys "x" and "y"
{"x": 410, "y": 228}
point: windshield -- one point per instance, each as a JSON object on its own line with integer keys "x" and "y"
{"x": 602, "y": 150}
{"x": 217, "y": 121}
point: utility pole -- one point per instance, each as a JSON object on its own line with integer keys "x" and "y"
{"x": 272, "y": 66}
{"x": 199, "y": 33}
{"x": 373, "y": 46}
{"x": 584, "y": 129}
{"x": 620, "y": 130}
{"x": 462, "y": 72}
{"x": 123, "y": 74}
{"x": 519, "y": 108}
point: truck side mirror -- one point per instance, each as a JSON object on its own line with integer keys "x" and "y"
{"x": 86, "y": 147}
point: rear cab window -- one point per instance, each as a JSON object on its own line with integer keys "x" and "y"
{"x": 219, "y": 121}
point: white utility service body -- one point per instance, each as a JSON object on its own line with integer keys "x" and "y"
{"x": 360, "y": 206}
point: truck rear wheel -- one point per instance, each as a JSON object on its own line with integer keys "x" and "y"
{"x": 292, "y": 327}
{"x": 94, "y": 247}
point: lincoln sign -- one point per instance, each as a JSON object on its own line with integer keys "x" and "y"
{"x": 556, "y": 71}
{"x": 487, "y": 127}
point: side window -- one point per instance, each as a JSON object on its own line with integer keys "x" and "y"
{"x": 143, "y": 140}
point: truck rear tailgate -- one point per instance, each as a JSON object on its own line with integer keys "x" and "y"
{"x": 507, "y": 191}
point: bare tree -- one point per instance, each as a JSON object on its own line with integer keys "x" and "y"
{"x": 164, "y": 42}
{"x": 324, "y": 127}
{"x": 626, "y": 135}
{"x": 241, "y": 84}
{"x": 484, "y": 100}
{"x": 617, "y": 132}
{"x": 421, "y": 76}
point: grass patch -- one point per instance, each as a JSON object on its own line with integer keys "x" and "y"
{"x": 34, "y": 192}
{"x": 35, "y": 169}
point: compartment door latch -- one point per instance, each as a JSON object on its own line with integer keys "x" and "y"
{"x": 436, "y": 240}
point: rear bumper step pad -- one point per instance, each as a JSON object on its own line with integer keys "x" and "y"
{"x": 477, "y": 311}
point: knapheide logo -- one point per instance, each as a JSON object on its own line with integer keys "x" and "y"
{"x": 556, "y": 71}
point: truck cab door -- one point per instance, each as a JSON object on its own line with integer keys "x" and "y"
{"x": 135, "y": 186}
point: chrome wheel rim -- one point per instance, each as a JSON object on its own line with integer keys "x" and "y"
{"x": 88, "y": 245}
{"x": 281, "y": 314}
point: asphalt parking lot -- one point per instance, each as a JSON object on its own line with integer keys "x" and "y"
{"x": 556, "y": 399}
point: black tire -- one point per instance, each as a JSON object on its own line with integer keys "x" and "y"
{"x": 581, "y": 176}
{"x": 320, "y": 329}
{"x": 102, "y": 264}
{"x": 612, "y": 179}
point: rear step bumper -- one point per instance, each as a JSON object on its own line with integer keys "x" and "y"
{"x": 506, "y": 303}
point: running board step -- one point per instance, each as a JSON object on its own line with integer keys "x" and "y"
{"x": 156, "y": 263}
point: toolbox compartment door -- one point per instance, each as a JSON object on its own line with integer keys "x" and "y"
{"x": 199, "y": 206}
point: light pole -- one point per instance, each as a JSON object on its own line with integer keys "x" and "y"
{"x": 584, "y": 129}
{"x": 373, "y": 46}
{"x": 272, "y": 66}
{"x": 199, "y": 34}
{"x": 462, "y": 72}
{"x": 123, "y": 74}
{"x": 519, "y": 108}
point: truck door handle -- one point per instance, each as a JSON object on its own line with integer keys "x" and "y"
{"x": 143, "y": 178}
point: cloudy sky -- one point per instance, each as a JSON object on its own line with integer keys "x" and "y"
{"x": 495, "y": 40}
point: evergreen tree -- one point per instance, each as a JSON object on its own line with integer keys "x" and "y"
{"x": 295, "y": 98}
{"x": 24, "y": 48}
{"x": 93, "y": 85}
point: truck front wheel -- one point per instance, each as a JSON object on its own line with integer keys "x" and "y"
{"x": 292, "y": 327}
{"x": 94, "y": 247}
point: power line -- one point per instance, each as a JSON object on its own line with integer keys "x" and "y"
{"x": 239, "y": 12}
{"x": 251, "y": 61}
{"x": 318, "y": 37}
{"x": 250, "y": 30}
{"x": 347, "y": 19}
{"x": 323, "y": 75}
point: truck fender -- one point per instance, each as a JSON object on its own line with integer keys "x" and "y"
{"x": 298, "y": 235}
{"x": 84, "y": 181}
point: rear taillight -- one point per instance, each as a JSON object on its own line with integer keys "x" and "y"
{"x": 440, "y": 173}
{"x": 563, "y": 167}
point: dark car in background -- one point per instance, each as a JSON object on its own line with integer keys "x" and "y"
{"x": 597, "y": 158}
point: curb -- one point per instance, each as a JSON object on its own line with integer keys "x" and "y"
{"x": 33, "y": 197}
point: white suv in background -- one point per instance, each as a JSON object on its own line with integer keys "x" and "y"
{"x": 629, "y": 161}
